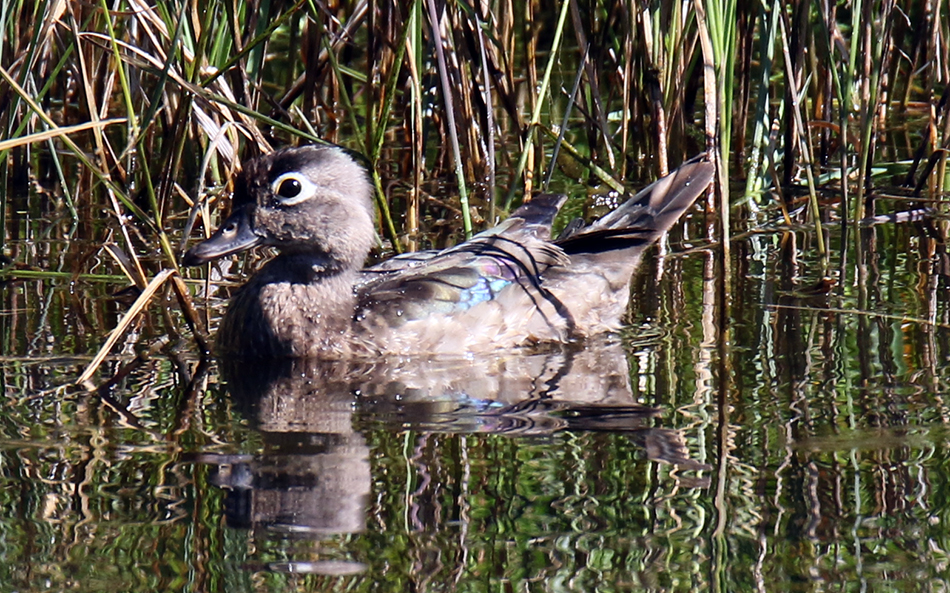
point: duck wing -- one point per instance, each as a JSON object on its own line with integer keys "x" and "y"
{"x": 417, "y": 285}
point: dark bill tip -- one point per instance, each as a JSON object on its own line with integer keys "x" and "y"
{"x": 234, "y": 236}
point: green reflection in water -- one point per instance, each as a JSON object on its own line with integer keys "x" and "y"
{"x": 826, "y": 463}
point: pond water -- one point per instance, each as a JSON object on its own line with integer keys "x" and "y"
{"x": 791, "y": 439}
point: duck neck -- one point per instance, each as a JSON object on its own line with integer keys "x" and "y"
{"x": 297, "y": 305}
{"x": 304, "y": 268}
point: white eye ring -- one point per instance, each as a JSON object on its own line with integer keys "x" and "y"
{"x": 306, "y": 189}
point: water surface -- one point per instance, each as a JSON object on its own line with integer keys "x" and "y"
{"x": 791, "y": 440}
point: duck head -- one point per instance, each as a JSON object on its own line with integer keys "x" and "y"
{"x": 312, "y": 200}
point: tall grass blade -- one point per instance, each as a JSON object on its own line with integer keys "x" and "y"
{"x": 539, "y": 103}
{"x": 447, "y": 97}
{"x": 137, "y": 307}
{"x": 572, "y": 96}
{"x": 54, "y": 133}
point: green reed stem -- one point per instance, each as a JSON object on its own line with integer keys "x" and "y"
{"x": 18, "y": 274}
{"x": 722, "y": 32}
{"x": 78, "y": 152}
{"x": 450, "y": 116}
{"x": 489, "y": 116}
{"x": 263, "y": 36}
{"x": 384, "y": 212}
{"x": 841, "y": 83}
{"x": 878, "y": 40}
{"x": 565, "y": 120}
{"x": 755, "y": 175}
{"x": 390, "y": 93}
{"x": 857, "y": 42}
{"x": 804, "y": 149}
{"x": 345, "y": 96}
{"x": 155, "y": 100}
{"x": 120, "y": 70}
{"x": 539, "y": 104}
{"x": 721, "y": 23}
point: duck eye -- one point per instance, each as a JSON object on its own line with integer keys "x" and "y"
{"x": 292, "y": 188}
{"x": 289, "y": 188}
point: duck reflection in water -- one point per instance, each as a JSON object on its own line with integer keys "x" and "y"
{"x": 313, "y": 478}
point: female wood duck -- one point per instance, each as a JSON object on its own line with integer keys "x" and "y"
{"x": 508, "y": 286}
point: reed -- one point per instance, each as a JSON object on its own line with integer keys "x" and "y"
{"x": 130, "y": 107}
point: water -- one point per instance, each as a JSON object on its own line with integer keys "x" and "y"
{"x": 794, "y": 441}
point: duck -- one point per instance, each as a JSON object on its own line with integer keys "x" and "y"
{"x": 511, "y": 286}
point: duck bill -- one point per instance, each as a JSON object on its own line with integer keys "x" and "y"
{"x": 234, "y": 236}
